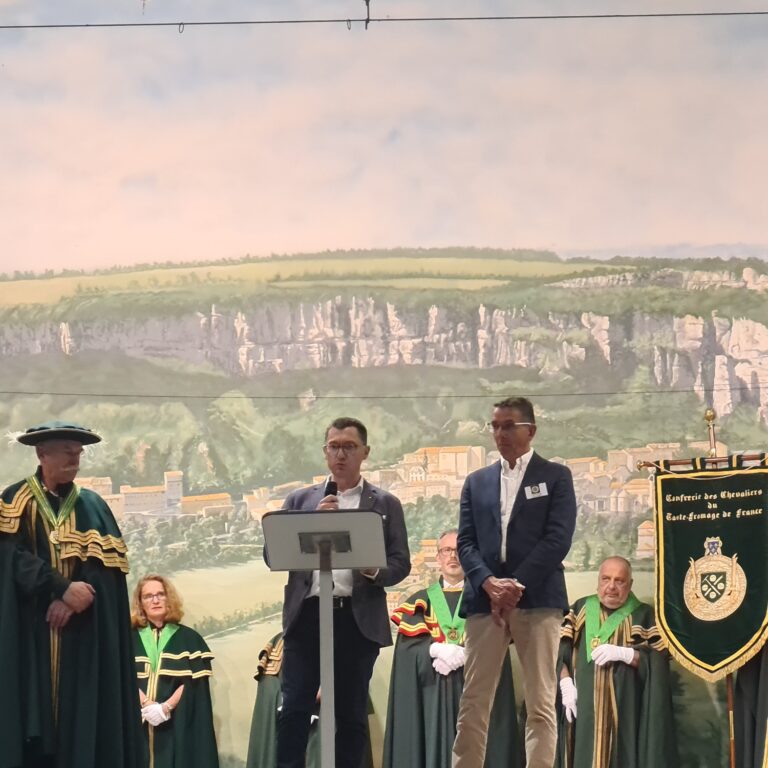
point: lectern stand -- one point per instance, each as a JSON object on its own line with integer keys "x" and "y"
{"x": 323, "y": 540}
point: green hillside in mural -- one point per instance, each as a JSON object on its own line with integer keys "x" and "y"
{"x": 260, "y": 434}
{"x": 600, "y": 345}
{"x": 413, "y": 276}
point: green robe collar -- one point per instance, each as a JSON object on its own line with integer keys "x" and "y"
{"x": 54, "y": 519}
{"x": 155, "y": 649}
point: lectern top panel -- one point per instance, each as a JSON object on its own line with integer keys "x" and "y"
{"x": 293, "y": 537}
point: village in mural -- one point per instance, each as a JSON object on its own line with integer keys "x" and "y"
{"x": 213, "y": 383}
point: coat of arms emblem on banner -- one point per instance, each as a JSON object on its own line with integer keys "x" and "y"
{"x": 715, "y": 585}
{"x": 711, "y": 606}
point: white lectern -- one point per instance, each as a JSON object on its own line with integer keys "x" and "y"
{"x": 298, "y": 540}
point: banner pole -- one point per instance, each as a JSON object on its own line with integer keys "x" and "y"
{"x": 731, "y": 729}
{"x": 709, "y": 417}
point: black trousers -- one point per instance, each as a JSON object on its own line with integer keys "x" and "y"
{"x": 354, "y": 656}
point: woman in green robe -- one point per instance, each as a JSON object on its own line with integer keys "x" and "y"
{"x": 173, "y": 667}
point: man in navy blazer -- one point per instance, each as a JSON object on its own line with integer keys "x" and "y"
{"x": 516, "y": 523}
{"x": 360, "y": 616}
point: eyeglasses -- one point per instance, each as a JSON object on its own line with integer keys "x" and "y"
{"x": 507, "y": 426}
{"x": 335, "y": 449}
{"x": 446, "y": 551}
{"x": 159, "y": 596}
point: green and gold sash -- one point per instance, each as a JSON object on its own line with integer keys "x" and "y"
{"x": 598, "y": 633}
{"x": 54, "y": 520}
{"x": 451, "y": 625}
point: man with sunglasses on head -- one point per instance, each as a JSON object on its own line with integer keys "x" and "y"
{"x": 516, "y": 523}
{"x": 360, "y": 618}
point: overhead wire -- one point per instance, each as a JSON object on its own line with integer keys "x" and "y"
{"x": 367, "y": 20}
{"x": 356, "y": 395}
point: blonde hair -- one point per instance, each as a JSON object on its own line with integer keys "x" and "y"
{"x": 173, "y": 604}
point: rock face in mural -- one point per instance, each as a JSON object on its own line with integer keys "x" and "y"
{"x": 726, "y": 356}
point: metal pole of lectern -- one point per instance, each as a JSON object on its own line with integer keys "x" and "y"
{"x": 299, "y": 540}
{"x": 327, "y": 693}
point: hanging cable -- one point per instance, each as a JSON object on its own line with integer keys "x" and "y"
{"x": 358, "y": 395}
{"x": 367, "y": 20}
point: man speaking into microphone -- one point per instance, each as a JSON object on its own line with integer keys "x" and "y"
{"x": 360, "y": 617}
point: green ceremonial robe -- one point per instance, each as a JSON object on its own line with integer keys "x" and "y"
{"x": 624, "y": 715}
{"x": 423, "y": 704}
{"x": 751, "y": 712}
{"x": 187, "y": 740}
{"x": 69, "y": 695}
{"x": 262, "y": 745}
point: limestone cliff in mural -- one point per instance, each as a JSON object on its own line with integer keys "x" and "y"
{"x": 727, "y": 357}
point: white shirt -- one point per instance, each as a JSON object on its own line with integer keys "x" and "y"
{"x": 342, "y": 577}
{"x": 511, "y": 480}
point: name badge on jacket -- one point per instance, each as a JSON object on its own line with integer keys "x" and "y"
{"x": 535, "y": 491}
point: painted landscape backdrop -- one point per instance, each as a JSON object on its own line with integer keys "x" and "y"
{"x": 212, "y": 385}
{"x": 293, "y": 185}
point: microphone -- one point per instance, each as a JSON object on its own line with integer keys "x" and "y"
{"x": 331, "y": 488}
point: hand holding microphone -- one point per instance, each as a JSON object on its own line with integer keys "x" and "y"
{"x": 330, "y": 499}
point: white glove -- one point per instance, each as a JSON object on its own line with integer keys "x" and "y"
{"x": 450, "y": 655}
{"x": 154, "y": 714}
{"x": 447, "y": 657}
{"x": 438, "y": 650}
{"x": 604, "y": 654}
{"x": 569, "y": 696}
{"x": 442, "y": 667}
{"x": 454, "y": 656}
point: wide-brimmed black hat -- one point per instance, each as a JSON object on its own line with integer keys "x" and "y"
{"x": 58, "y": 430}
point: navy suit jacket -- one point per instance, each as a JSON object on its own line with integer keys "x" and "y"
{"x": 369, "y": 600}
{"x": 538, "y": 536}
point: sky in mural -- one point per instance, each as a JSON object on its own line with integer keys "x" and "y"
{"x": 147, "y": 144}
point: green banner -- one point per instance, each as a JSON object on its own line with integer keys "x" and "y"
{"x": 712, "y": 566}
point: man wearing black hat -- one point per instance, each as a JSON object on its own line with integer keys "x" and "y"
{"x": 66, "y": 663}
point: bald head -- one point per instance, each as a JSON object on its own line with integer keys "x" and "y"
{"x": 614, "y": 582}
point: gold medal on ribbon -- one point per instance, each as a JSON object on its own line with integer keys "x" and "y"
{"x": 595, "y": 642}
{"x": 54, "y": 519}
{"x": 450, "y": 623}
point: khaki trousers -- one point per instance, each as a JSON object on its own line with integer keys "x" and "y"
{"x": 536, "y": 634}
